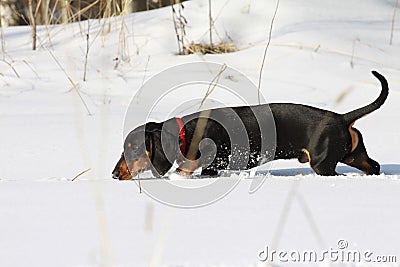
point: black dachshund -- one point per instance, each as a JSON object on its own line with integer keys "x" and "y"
{"x": 313, "y": 135}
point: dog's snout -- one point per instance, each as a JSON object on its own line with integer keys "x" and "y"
{"x": 115, "y": 174}
{"x": 375, "y": 168}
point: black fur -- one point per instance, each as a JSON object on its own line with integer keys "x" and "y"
{"x": 320, "y": 137}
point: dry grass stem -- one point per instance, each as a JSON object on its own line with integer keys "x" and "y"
{"x": 266, "y": 50}
{"x": 180, "y": 27}
{"x": 3, "y": 40}
{"x": 32, "y": 23}
{"x": 213, "y": 85}
{"x": 87, "y": 52}
{"x": 352, "y": 53}
{"x": 393, "y": 20}
{"x": 71, "y": 81}
{"x": 221, "y": 48}
{"x": 11, "y": 67}
{"x": 210, "y": 22}
{"x": 80, "y": 174}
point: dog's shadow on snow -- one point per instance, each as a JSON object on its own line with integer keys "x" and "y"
{"x": 387, "y": 169}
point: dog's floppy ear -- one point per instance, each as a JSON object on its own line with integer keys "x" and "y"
{"x": 162, "y": 142}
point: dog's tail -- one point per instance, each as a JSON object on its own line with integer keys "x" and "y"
{"x": 354, "y": 115}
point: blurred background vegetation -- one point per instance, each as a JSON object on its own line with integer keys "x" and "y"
{"x": 45, "y": 12}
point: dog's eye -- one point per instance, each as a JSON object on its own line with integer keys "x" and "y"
{"x": 133, "y": 146}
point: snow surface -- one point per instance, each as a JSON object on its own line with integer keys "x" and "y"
{"x": 47, "y": 138}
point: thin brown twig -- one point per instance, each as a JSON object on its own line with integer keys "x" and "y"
{"x": 210, "y": 21}
{"x": 38, "y": 4}
{"x": 11, "y": 67}
{"x": 393, "y": 20}
{"x": 179, "y": 25}
{"x": 144, "y": 77}
{"x": 79, "y": 174}
{"x": 53, "y": 11}
{"x": 145, "y": 69}
{"x": 32, "y": 22}
{"x": 310, "y": 218}
{"x": 46, "y": 19}
{"x": 201, "y": 124}
{"x": 83, "y": 10}
{"x": 176, "y": 30}
{"x": 352, "y": 53}
{"x": 213, "y": 85}
{"x": 3, "y": 41}
{"x": 343, "y": 95}
{"x": 87, "y": 52}
{"x": 216, "y": 18}
{"x": 71, "y": 81}
{"x": 266, "y": 50}
{"x": 121, "y": 48}
{"x": 187, "y": 166}
{"x": 139, "y": 184}
{"x": 45, "y": 12}
{"x": 287, "y": 205}
{"x": 31, "y": 68}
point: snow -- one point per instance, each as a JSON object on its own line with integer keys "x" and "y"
{"x": 48, "y": 137}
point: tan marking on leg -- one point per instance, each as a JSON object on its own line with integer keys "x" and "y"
{"x": 305, "y": 151}
{"x": 354, "y": 137}
{"x": 148, "y": 152}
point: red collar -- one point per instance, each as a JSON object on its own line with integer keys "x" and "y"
{"x": 182, "y": 139}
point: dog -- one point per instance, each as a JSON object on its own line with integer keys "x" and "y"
{"x": 320, "y": 137}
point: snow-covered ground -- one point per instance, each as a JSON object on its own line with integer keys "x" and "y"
{"x": 319, "y": 50}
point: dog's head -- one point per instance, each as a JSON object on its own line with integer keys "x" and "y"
{"x": 150, "y": 147}
{"x": 358, "y": 156}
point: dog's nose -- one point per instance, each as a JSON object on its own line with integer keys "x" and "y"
{"x": 375, "y": 169}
